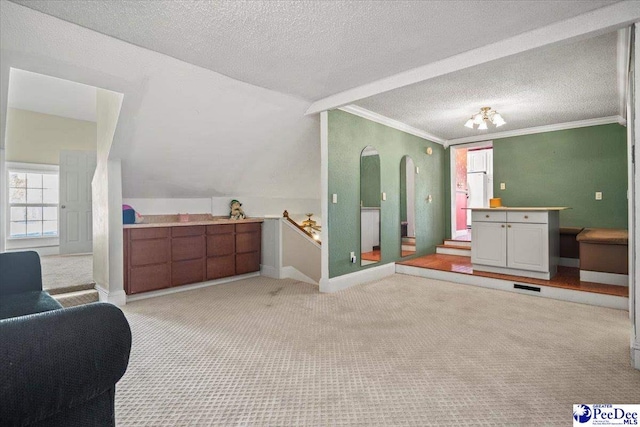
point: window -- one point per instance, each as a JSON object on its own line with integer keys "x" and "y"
{"x": 33, "y": 203}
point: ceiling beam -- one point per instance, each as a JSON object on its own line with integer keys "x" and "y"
{"x": 590, "y": 24}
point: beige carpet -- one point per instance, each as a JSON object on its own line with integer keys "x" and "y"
{"x": 401, "y": 351}
{"x": 60, "y": 271}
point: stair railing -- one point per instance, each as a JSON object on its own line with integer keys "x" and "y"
{"x": 285, "y": 215}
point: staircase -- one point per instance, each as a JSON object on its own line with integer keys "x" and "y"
{"x": 455, "y": 247}
{"x": 71, "y": 296}
{"x": 409, "y": 244}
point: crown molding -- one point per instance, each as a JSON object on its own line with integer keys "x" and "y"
{"x": 384, "y": 120}
{"x": 589, "y": 24}
{"x": 540, "y": 129}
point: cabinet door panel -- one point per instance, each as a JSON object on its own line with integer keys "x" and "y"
{"x": 151, "y": 251}
{"x": 185, "y": 272}
{"x": 247, "y": 262}
{"x": 528, "y": 246}
{"x": 223, "y": 266}
{"x": 190, "y": 230}
{"x": 149, "y": 278}
{"x": 149, "y": 233}
{"x": 488, "y": 245}
{"x": 184, "y": 248}
{"x": 221, "y": 245}
{"x": 247, "y": 242}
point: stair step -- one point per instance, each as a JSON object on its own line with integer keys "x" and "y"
{"x": 453, "y": 250}
{"x": 73, "y": 288}
{"x": 71, "y": 299}
{"x": 465, "y": 243}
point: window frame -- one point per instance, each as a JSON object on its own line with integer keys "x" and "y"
{"x": 16, "y": 167}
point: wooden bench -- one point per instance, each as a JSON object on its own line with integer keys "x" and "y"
{"x": 604, "y": 255}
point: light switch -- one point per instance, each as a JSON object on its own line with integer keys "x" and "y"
{"x": 598, "y": 195}
{"x": 334, "y": 199}
{"x": 417, "y": 169}
{"x": 503, "y": 186}
{"x": 384, "y": 196}
{"x": 429, "y": 199}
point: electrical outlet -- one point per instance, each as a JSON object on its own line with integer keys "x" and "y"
{"x": 429, "y": 199}
{"x": 352, "y": 257}
{"x": 503, "y": 186}
{"x": 334, "y": 198}
{"x": 598, "y": 195}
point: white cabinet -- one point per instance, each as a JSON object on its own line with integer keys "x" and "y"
{"x": 489, "y": 243}
{"x": 477, "y": 161}
{"x": 521, "y": 243}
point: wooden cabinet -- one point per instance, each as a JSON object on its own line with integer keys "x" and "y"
{"x": 233, "y": 249}
{"x": 522, "y": 243}
{"x": 161, "y": 257}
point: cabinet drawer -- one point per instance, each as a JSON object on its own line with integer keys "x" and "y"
{"x": 247, "y": 242}
{"x": 183, "y": 248}
{"x": 221, "y": 229}
{"x": 149, "y": 278}
{"x": 488, "y": 216}
{"x": 248, "y": 227}
{"x": 185, "y": 272}
{"x": 221, "y": 245}
{"x": 191, "y": 230}
{"x": 528, "y": 217}
{"x": 150, "y": 251}
{"x": 248, "y": 262}
{"x": 150, "y": 233}
{"x": 218, "y": 267}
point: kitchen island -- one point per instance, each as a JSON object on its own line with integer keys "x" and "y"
{"x": 520, "y": 241}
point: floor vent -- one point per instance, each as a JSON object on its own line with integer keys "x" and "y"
{"x": 526, "y": 288}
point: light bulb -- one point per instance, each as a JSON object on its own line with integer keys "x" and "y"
{"x": 469, "y": 124}
{"x": 477, "y": 119}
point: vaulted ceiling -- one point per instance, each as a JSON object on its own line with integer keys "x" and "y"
{"x": 315, "y": 49}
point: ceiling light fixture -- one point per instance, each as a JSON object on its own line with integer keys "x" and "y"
{"x": 486, "y": 115}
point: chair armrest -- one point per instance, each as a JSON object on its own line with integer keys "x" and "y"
{"x": 59, "y": 359}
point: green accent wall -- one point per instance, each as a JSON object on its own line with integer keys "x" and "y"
{"x": 348, "y": 136}
{"x": 566, "y": 168}
{"x": 370, "y": 183}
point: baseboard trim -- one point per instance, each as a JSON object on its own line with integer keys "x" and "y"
{"x": 601, "y": 300}
{"x": 290, "y": 272}
{"x": 569, "y": 262}
{"x": 514, "y": 271}
{"x": 635, "y": 355}
{"x": 118, "y": 298}
{"x": 269, "y": 271}
{"x": 606, "y": 278}
{"x": 184, "y": 288}
{"x": 345, "y": 281}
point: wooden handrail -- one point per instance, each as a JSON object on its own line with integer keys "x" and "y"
{"x": 285, "y": 214}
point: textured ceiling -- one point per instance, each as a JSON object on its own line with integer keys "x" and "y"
{"x": 49, "y": 95}
{"x": 558, "y": 84}
{"x": 311, "y": 49}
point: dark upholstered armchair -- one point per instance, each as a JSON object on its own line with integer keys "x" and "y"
{"x": 58, "y": 366}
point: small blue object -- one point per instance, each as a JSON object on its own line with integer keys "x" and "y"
{"x": 128, "y": 216}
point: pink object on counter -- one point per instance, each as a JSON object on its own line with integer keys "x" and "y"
{"x": 183, "y": 217}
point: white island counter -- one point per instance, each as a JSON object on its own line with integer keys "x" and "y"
{"x": 521, "y": 241}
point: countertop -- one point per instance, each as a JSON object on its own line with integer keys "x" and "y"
{"x": 505, "y": 208}
{"x": 214, "y": 221}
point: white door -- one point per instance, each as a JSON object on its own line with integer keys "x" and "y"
{"x": 528, "y": 246}
{"x": 76, "y": 172}
{"x": 489, "y": 245}
{"x": 476, "y": 161}
{"x": 476, "y": 192}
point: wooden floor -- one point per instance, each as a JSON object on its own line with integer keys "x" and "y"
{"x": 567, "y": 277}
{"x": 371, "y": 256}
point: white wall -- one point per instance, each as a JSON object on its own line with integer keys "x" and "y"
{"x": 108, "y": 256}
{"x": 184, "y": 132}
{"x": 169, "y": 206}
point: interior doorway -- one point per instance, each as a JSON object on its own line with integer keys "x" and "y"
{"x": 471, "y": 184}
